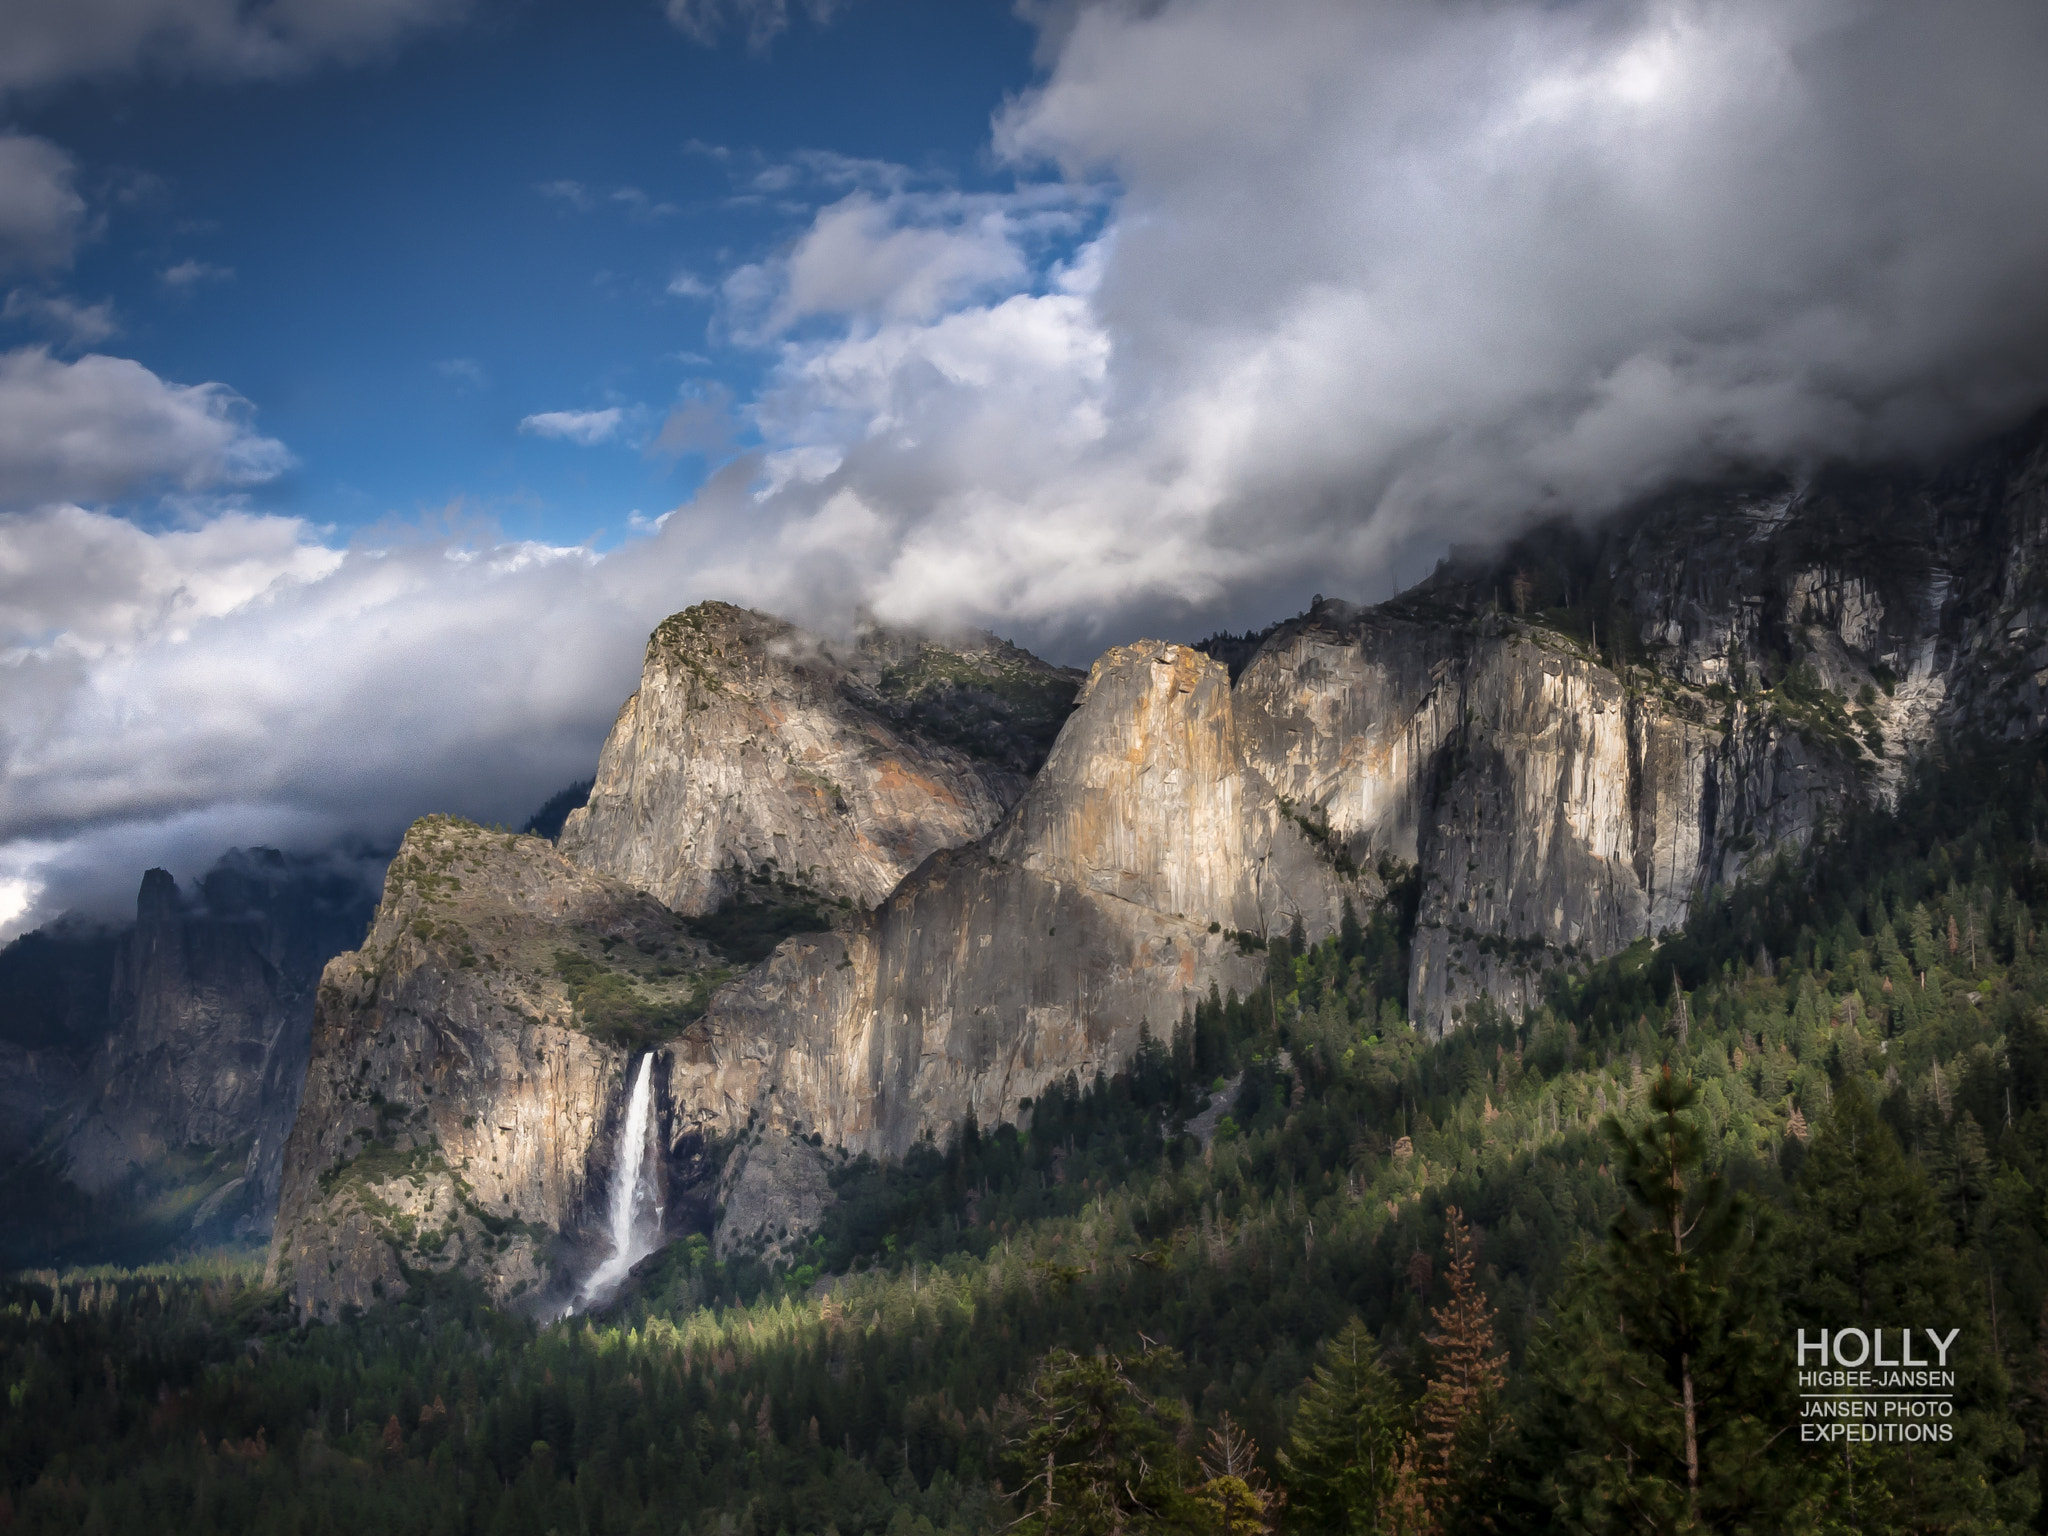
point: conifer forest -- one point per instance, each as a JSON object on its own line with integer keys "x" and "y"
{"x": 1296, "y": 1269}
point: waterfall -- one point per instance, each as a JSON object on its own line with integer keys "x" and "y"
{"x": 632, "y": 1239}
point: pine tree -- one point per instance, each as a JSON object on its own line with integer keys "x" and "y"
{"x": 1097, "y": 1453}
{"x": 1234, "y": 1489}
{"x": 1680, "y": 1022}
{"x": 1350, "y": 936}
{"x": 1870, "y": 1247}
{"x": 1663, "y": 1375}
{"x": 1459, "y": 1413}
{"x": 1920, "y": 932}
{"x": 1407, "y": 1510}
{"x": 1346, "y": 1438}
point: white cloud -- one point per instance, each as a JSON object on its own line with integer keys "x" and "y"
{"x": 587, "y": 428}
{"x": 758, "y": 21}
{"x": 78, "y": 325}
{"x": 858, "y": 258}
{"x": 1373, "y": 274}
{"x": 1395, "y": 274}
{"x": 17, "y": 898}
{"x": 49, "y": 42}
{"x": 464, "y": 370}
{"x": 165, "y": 694}
{"x": 190, "y": 273}
{"x": 40, "y": 210}
{"x": 78, "y": 582}
{"x": 687, "y": 285}
{"x": 874, "y": 258}
{"x": 792, "y": 466}
{"x": 574, "y": 193}
{"x": 102, "y": 428}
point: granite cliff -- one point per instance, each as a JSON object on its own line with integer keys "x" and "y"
{"x": 1108, "y": 901}
{"x": 1555, "y": 810}
{"x": 753, "y": 746}
{"x": 212, "y": 1002}
{"x": 1560, "y": 744}
{"x": 466, "y": 1084}
{"x": 55, "y": 982}
{"x": 1576, "y": 736}
{"x": 156, "y": 1068}
{"x": 468, "y": 1068}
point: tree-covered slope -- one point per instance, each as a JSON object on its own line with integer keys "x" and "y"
{"x": 1855, "y": 1121}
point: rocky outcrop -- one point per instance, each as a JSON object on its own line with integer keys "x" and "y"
{"x": 754, "y": 747}
{"x": 1565, "y": 743}
{"x": 1557, "y": 808}
{"x": 460, "y": 1108}
{"x": 209, "y": 1008}
{"x": 54, "y": 986}
{"x": 462, "y": 1102}
{"x": 775, "y": 1190}
{"x": 1108, "y": 901}
{"x": 1576, "y": 737}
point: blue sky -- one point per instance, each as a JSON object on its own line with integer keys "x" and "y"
{"x": 376, "y": 374}
{"x": 397, "y": 262}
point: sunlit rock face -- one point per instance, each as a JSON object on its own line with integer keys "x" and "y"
{"x": 1553, "y": 811}
{"x": 1557, "y": 747}
{"x": 1104, "y": 904}
{"x": 753, "y": 745}
{"x": 458, "y": 1110}
{"x": 1575, "y": 737}
{"x": 456, "y": 1113}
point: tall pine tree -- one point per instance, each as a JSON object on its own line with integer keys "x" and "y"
{"x": 1667, "y": 1390}
{"x": 1869, "y": 1247}
{"x": 1234, "y": 1492}
{"x": 1097, "y": 1453}
{"x": 1346, "y": 1440}
{"x": 1461, "y": 1423}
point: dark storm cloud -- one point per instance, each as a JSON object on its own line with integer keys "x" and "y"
{"x": 1385, "y": 275}
{"x": 1373, "y": 276}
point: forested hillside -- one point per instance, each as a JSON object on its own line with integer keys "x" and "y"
{"x": 1295, "y": 1269}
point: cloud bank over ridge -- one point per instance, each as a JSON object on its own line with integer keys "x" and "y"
{"x": 1279, "y": 294}
{"x": 1380, "y": 269}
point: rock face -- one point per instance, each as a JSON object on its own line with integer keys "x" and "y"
{"x": 1555, "y": 807}
{"x": 209, "y": 1010}
{"x": 753, "y": 746}
{"x": 459, "y": 1110}
{"x": 54, "y": 986}
{"x": 1098, "y": 908}
{"x": 1565, "y": 743}
{"x": 775, "y": 1190}
{"x": 1577, "y": 737}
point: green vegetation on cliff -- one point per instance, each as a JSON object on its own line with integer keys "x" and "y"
{"x": 1002, "y": 705}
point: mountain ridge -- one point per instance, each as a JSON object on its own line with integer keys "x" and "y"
{"x": 1559, "y": 752}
